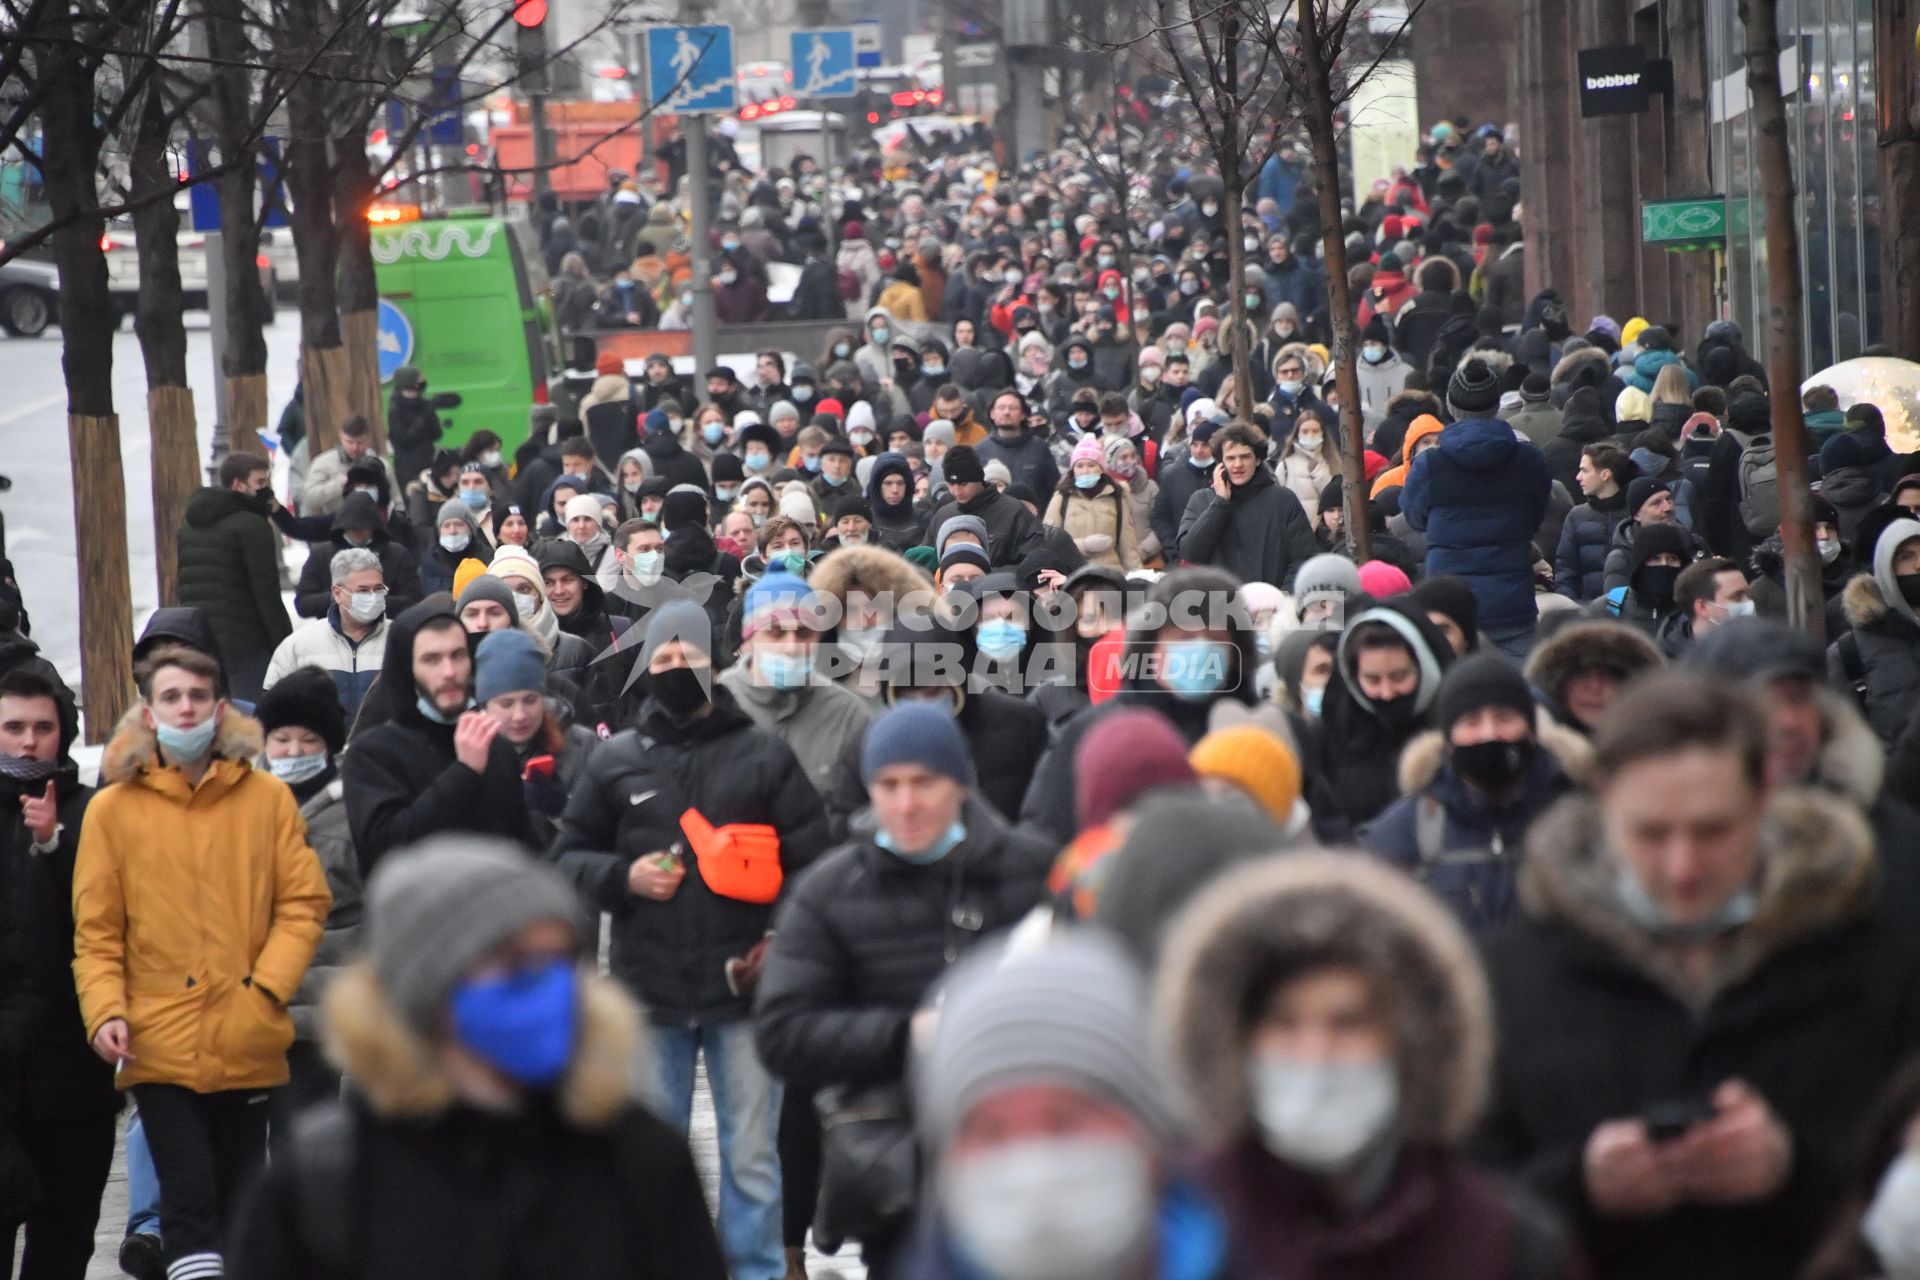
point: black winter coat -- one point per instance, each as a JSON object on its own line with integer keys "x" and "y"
{"x": 1261, "y": 534}
{"x": 864, "y": 935}
{"x": 674, "y": 464}
{"x": 1888, "y": 644}
{"x": 230, "y": 567}
{"x": 403, "y": 781}
{"x": 486, "y": 1197}
{"x": 1816, "y": 1008}
{"x": 1581, "y": 423}
{"x": 61, "y": 1074}
{"x": 1028, "y": 458}
{"x": 413, "y": 429}
{"x": 1179, "y": 480}
{"x": 1580, "y": 561}
{"x": 673, "y": 954}
{"x": 1012, "y": 530}
{"x": 313, "y": 595}
{"x": 1006, "y": 736}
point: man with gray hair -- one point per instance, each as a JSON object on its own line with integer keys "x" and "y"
{"x": 348, "y": 642}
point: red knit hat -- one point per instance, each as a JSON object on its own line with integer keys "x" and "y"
{"x": 1123, "y": 756}
{"x": 609, "y": 362}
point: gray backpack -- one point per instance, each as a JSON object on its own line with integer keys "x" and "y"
{"x": 1759, "y": 488}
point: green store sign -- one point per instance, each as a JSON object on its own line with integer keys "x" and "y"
{"x": 1699, "y": 223}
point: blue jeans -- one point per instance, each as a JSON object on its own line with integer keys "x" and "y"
{"x": 1515, "y": 640}
{"x": 746, "y": 1104}
{"x": 143, "y": 1184}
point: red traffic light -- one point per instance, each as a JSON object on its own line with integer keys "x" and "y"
{"x": 530, "y": 13}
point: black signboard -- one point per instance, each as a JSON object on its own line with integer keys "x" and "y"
{"x": 1614, "y": 82}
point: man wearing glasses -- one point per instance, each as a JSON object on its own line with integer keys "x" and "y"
{"x": 349, "y": 641}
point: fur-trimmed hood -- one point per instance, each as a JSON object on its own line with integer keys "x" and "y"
{"x": 1851, "y": 762}
{"x": 396, "y": 1071}
{"x": 1590, "y": 646}
{"x": 1817, "y": 871}
{"x": 1287, "y": 914}
{"x": 1563, "y": 371}
{"x": 1425, "y": 752}
{"x": 1864, "y": 604}
{"x": 870, "y": 570}
{"x": 135, "y": 748}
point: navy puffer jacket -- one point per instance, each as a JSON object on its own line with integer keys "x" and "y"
{"x": 1479, "y": 497}
{"x": 1580, "y": 561}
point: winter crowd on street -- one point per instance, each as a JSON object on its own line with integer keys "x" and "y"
{"x": 974, "y": 754}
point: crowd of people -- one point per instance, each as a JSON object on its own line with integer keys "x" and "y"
{"x": 981, "y": 751}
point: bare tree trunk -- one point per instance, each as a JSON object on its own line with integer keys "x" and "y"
{"x": 358, "y": 293}
{"x": 159, "y": 323}
{"x": 1232, "y": 177}
{"x": 1897, "y": 82}
{"x": 71, "y": 153}
{"x": 1784, "y": 308}
{"x": 323, "y": 357}
{"x": 1326, "y": 173}
{"x": 243, "y": 363}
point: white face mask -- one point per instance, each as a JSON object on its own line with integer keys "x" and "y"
{"x": 1311, "y": 443}
{"x": 366, "y": 606}
{"x": 1051, "y": 1208}
{"x": 455, "y": 541}
{"x": 527, "y": 606}
{"x": 1322, "y": 1115}
{"x": 647, "y": 566}
{"x": 491, "y": 458}
{"x": 1829, "y": 550}
{"x": 1892, "y": 1224}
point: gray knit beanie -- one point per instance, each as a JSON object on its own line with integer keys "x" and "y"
{"x": 435, "y": 908}
{"x": 1326, "y": 577}
{"x": 1073, "y": 1014}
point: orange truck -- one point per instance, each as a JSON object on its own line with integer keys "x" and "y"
{"x": 589, "y": 138}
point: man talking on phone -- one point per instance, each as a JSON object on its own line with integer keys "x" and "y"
{"x": 1702, "y": 1000}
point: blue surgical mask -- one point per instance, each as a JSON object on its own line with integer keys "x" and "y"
{"x": 1314, "y": 700}
{"x": 1293, "y": 388}
{"x": 1076, "y": 363}
{"x": 724, "y": 492}
{"x": 926, "y": 857}
{"x": 1373, "y": 353}
{"x": 835, "y": 481}
{"x": 1197, "y": 464}
{"x": 842, "y": 350}
{"x": 187, "y": 745}
{"x": 714, "y": 432}
{"x": 932, "y": 370}
{"x": 793, "y": 562}
{"x": 295, "y": 769}
{"x": 783, "y": 670}
{"x": 1650, "y": 915}
{"x": 1082, "y": 481}
{"x": 755, "y": 461}
{"x": 811, "y": 464}
{"x": 524, "y": 1023}
{"x": 433, "y": 714}
{"x": 1001, "y": 638}
{"x": 476, "y": 499}
{"x": 880, "y": 337}
{"x": 802, "y": 392}
{"x": 1195, "y": 669}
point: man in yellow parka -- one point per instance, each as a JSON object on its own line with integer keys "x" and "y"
{"x": 197, "y": 905}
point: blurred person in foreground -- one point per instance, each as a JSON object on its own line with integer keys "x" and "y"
{"x": 1052, "y": 1139}
{"x": 1726, "y": 930}
{"x": 493, "y": 1129}
{"x": 1329, "y": 1028}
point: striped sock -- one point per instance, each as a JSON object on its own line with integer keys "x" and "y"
{"x": 196, "y": 1266}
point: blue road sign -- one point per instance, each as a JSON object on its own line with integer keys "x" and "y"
{"x": 690, "y": 69}
{"x": 823, "y": 63}
{"x": 393, "y": 339}
{"x": 203, "y": 200}
{"x": 866, "y": 43}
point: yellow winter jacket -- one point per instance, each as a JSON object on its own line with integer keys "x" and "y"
{"x": 196, "y": 911}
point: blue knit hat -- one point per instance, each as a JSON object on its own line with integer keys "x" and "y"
{"x": 776, "y": 592}
{"x": 919, "y": 733}
{"x": 507, "y": 662}
{"x": 656, "y": 422}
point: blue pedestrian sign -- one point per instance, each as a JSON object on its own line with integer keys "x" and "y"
{"x": 393, "y": 339}
{"x": 690, "y": 68}
{"x": 823, "y": 63}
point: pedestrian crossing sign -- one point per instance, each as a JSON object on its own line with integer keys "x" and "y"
{"x": 690, "y": 69}
{"x": 823, "y": 63}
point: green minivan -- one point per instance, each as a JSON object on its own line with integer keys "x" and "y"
{"x": 473, "y": 290}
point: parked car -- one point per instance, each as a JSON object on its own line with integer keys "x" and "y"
{"x": 123, "y": 263}
{"x": 29, "y": 297}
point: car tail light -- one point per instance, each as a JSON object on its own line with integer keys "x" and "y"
{"x": 936, "y": 96}
{"x": 106, "y": 244}
{"x": 787, "y": 103}
{"x": 750, "y": 112}
{"x": 260, "y": 261}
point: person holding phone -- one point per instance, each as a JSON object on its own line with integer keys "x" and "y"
{"x": 1733, "y": 936}
{"x": 510, "y": 687}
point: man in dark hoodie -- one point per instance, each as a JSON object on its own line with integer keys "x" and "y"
{"x": 1025, "y": 452}
{"x": 1179, "y": 480}
{"x": 671, "y": 462}
{"x": 1479, "y": 496}
{"x": 1174, "y": 668}
{"x": 1247, "y": 523}
{"x": 691, "y": 553}
{"x": 1075, "y": 372}
{"x": 1012, "y": 530}
{"x": 230, "y": 567}
{"x": 358, "y": 524}
{"x": 1655, "y": 557}
{"x": 1582, "y": 422}
{"x": 436, "y": 764}
{"x": 67, "y": 1107}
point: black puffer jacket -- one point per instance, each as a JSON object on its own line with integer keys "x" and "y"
{"x": 398, "y": 568}
{"x": 1581, "y": 423}
{"x": 1888, "y": 644}
{"x": 1006, "y": 736}
{"x": 230, "y": 567}
{"x": 673, "y": 954}
{"x": 402, "y": 779}
{"x": 863, "y": 937}
{"x": 1260, "y": 534}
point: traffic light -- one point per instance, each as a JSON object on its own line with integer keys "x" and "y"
{"x": 529, "y": 13}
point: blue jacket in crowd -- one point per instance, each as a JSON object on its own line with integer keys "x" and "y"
{"x": 1480, "y": 496}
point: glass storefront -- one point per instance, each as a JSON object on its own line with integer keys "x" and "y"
{"x": 1827, "y": 64}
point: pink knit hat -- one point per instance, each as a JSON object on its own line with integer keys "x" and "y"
{"x": 1380, "y": 580}
{"x": 1088, "y": 450}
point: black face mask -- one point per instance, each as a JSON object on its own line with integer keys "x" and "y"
{"x": 679, "y": 690}
{"x": 906, "y": 369}
{"x": 1909, "y": 587}
{"x": 1493, "y": 766}
{"x": 1395, "y": 713}
{"x": 1655, "y": 582}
